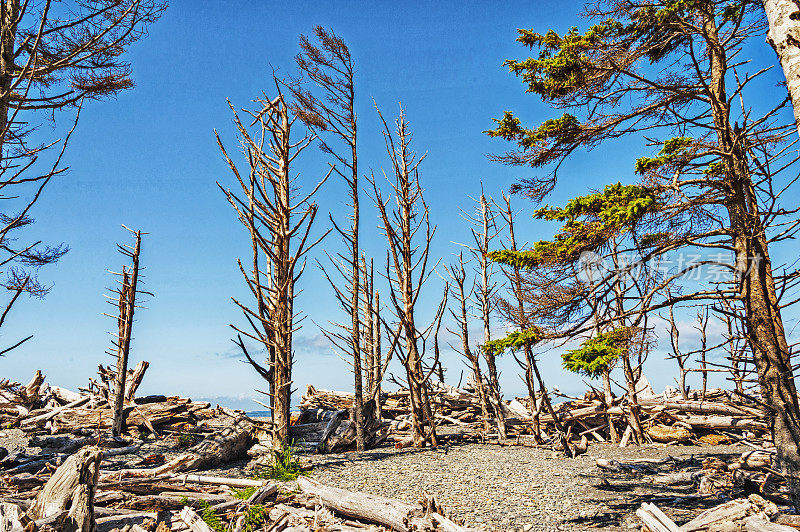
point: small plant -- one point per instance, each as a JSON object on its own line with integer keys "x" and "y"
{"x": 186, "y": 439}
{"x": 255, "y": 517}
{"x": 285, "y": 465}
{"x": 211, "y": 518}
{"x": 244, "y": 493}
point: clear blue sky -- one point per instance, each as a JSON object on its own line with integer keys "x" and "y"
{"x": 148, "y": 159}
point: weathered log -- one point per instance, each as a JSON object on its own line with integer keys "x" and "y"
{"x": 391, "y": 513}
{"x": 12, "y": 517}
{"x": 71, "y": 488}
{"x": 173, "y": 501}
{"x": 701, "y": 407}
{"x": 194, "y": 521}
{"x": 30, "y": 392}
{"x": 228, "y": 444}
{"x": 134, "y": 379}
{"x": 730, "y": 512}
{"x": 50, "y": 415}
{"x": 307, "y": 432}
{"x": 759, "y": 524}
{"x": 721, "y": 422}
{"x": 154, "y": 414}
{"x": 333, "y": 424}
{"x": 679, "y": 477}
{"x": 655, "y": 519}
{"x": 664, "y": 434}
{"x": 64, "y": 395}
{"x": 262, "y": 493}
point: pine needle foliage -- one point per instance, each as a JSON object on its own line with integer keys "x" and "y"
{"x": 598, "y": 353}
{"x": 589, "y": 222}
{"x": 514, "y": 341}
{"x": 210, "y": 517}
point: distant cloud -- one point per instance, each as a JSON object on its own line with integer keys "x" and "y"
{"x": 315, "y": 345}
{"x": 236, "y": 352}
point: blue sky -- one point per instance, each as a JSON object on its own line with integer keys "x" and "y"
{"x": 148, "y": 159}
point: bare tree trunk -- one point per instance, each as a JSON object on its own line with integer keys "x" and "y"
{"x": 127, "y": 305}
{"x": 458, "y": 276}
{"x": 484, "y": 221}
{"x": 407, "y": 266}
{"x": 784, "y": 36}
{"x": 377, "y": 377}
{"x": 679, "y": 357}
{"x": 608, "y": 397}
{"x": 279, "y": 223}
{"x": 531, "y": 367}
{"x": 9, "y": 13}
{"x": 703, "y": 319}
{"x": 634, "y": 411}
{"x": 329, "y": 65}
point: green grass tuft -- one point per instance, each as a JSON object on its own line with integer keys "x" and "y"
{"x": 285, "y": 466}
{"x": 244, "y": 493}
{"x": 210, "y": 517}
{"x": 255, "y": 518}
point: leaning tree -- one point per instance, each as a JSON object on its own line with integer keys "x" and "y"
{"x": 672, "y": 72}
{"x": 324, "y": 98}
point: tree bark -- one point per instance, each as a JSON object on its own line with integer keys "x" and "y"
{"x": 755, "y": 278}
{"x": 71, "y": 488}
{"x": 784, "y": 36}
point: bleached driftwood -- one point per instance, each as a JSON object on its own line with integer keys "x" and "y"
{"x": 71, "y": 488}
{"x": 395, "y": 514}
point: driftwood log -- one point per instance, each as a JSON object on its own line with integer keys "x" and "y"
{"x": 397, "y": 515}
{"x": 226, "y": 445}
{"x": 71, "y": 488}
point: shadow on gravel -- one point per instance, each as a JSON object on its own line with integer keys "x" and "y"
{"x": 686, "y": 505}
{"x": 624, "y": 492}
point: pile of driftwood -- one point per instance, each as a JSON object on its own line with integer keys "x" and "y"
{"x": 751, "y": 514}
{"x": 712, "y": 418}
{"x": 325, "y": 424}
{"x": 717, "y": 417}
{"x": 40, "y": 407}
{"x": 61, "y": 422}
{"x": 81, "y": 496}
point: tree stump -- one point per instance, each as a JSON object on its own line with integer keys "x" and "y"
{"x": 71, "y": 488}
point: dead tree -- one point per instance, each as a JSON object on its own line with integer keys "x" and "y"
{"x": 52, "y": 58}
{"x": 736, "y": 344}
{"x": 459, "y": 291}
{"x": 278, "y": 219}
{"x": 484, "y": 231}
{"x": 532, "y": 374}
{"x": 125, "y": 297}
{"x": 701, "y": 326}
{"x": 679, "y": 357}
{"x": 371, "y": 333}
{"x": 330, "y": 110}
{"x": 409, "y": 232}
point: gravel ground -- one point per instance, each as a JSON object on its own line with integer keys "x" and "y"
{"x": 500, "y": 488}
{"x": 517, "y": 488}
